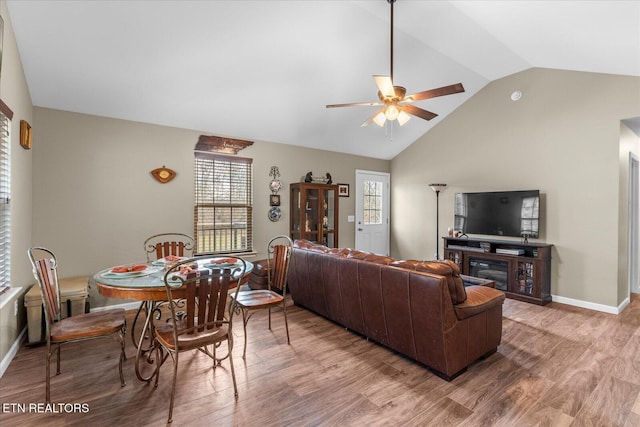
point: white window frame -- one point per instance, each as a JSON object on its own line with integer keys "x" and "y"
{"x": 5, "y": 202}
{"x": 216, "y": 177}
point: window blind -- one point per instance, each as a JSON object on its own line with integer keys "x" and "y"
{"x": 5, "y": 199}
{"x": 223, "y": 221}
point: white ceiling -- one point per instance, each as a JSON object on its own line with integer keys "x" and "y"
{"x": 264, "y": 70}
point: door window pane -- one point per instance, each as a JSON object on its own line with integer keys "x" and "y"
{"x": 372, "y": 211}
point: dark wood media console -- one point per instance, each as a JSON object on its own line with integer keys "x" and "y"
{"x": 521, "y": 270}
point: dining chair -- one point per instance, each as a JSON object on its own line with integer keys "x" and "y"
{"x": 204, "y": 289}
{"x": 101, "y": 324}
{"x": 164, "y": 244}
{"x": 279, "y": 252}
{"x": 156, "y": 247}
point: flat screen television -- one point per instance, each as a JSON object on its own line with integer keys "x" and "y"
{"x": 498, "y": 213}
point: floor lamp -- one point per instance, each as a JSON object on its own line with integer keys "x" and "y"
{"x": 437, "y": 188}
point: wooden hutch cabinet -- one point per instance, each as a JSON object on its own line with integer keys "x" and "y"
{"x": 521, "y": 270}
{"x": 314, "y": 213}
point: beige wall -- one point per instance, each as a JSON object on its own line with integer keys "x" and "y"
{"x": 562, "y": 137}
{"x": 95, "y": 201}
{"x": 629, "y": 143}
{"x": 15, "y": 93}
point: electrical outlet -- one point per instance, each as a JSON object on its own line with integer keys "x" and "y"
{"x": 15, "y": 308}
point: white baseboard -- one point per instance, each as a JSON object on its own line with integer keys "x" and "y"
{"x": 591, "y": 305}
{"x": 6, "y": 360}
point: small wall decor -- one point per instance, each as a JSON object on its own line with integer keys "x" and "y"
{"x": 326, "y": 179}
{"x": 275, "y": 185}
{"x": 163, "y": 174}
{"x": 25, "y": 134}
{"x": 219, "y": 144}
{"x": 274, "y": 213}
{"x": 343, "y": 190}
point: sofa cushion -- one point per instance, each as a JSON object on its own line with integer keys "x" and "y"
{"x": 310, "y": 246}
{"x": 341, "y": 252}
{"x": 479, "y": 299}
{"x": 379, "y": 259}
{"x": 454, "y": 281}
{"x": 354, "y": 253}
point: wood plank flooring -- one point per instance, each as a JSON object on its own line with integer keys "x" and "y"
{"x": 557, "y": 366}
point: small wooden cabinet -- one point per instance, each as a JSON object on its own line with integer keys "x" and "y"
{"x": 314, "y": 213}
{"x": 521, "y": 270}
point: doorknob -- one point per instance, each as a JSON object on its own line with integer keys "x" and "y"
{"x": 359, "y": 229}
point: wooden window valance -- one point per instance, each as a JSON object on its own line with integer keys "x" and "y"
{"x": 219, "y": 144}
{"x": 4, "y": 109}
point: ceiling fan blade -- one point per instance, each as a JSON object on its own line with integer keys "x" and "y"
{"x": 372, "y": 118}
{"x": 385, "y": 85}
{"x": 354, "y": 104}
{"x": 418, "y": 112}
{"x": 433, "y": 93}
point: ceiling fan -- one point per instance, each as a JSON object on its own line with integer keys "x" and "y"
{"x": 394, "y": 99}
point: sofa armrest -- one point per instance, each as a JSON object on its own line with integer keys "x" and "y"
{"x": 479, "y": 299}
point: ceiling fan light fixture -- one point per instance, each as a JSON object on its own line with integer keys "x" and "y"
{"x": 379, "y": 118}
{"x": 394, "y": 102}
{"x": 403, "y": 118}
{"x": 391, "y": 112}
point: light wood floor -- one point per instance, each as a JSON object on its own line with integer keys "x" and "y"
{"x": 557, "y": 366}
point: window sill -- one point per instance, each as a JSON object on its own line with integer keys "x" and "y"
{"x": 8, "y": 296}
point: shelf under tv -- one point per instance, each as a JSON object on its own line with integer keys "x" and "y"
{"x": 526, "y": 268}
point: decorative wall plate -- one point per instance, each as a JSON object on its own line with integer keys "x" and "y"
{"x": 274, "y": 213}
{"x": 275, "y": 185}
{"x": 163, "y": 174}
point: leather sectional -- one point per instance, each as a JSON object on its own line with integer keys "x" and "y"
{"x": 418, "y": 308}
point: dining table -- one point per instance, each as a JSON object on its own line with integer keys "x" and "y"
{"x": 145, "y": 282}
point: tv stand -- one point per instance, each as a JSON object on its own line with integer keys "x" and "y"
{"x": 521, "y": 269}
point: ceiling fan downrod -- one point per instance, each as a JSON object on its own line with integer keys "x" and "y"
{"x": 391, "y": 2}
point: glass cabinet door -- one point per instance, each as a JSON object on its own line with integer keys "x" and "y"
{"x": 314, "y": 213}
{"x": 295, "y": 213}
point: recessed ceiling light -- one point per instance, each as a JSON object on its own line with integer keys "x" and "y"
{"x": 516, "y": 95}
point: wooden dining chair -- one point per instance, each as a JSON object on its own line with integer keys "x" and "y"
{"x": 248, "y": 302}
{"x": 106, "y": 323}
{"x": 203, "y": 321}
{"x": 164, "y": 244}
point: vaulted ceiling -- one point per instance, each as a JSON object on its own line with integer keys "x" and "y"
{"x": 264, "y": 70}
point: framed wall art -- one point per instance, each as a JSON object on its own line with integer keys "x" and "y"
{"x": 343, "y": 190}
{"x": 274, "y": 200}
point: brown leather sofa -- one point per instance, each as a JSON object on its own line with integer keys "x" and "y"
{"x": 419, "y": 309}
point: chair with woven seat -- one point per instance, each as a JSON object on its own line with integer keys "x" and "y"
{"x": 248, "y": 302}
{"x": 107, "y": 323}
{"x": 202, "y": 323}
{"x": 165, "y": 244}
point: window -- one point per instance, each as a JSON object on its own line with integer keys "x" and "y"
{"x": 5, "y": 199}
{"x": 372, "y": 213}
{"x": 223, "y": 207}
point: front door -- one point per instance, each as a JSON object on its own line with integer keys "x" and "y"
{"x": 372, "y": 211}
